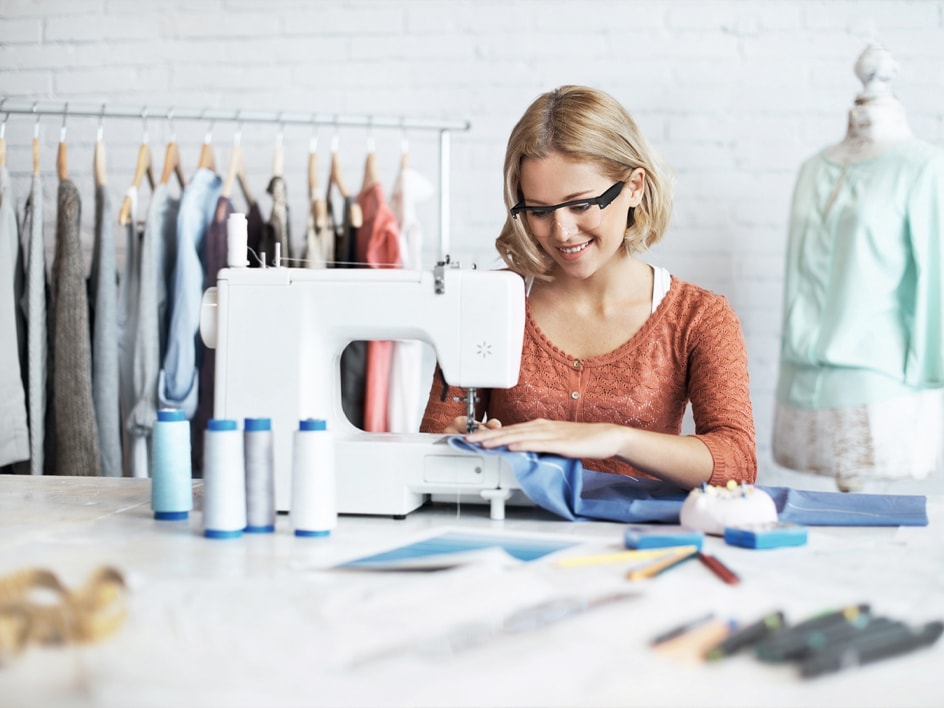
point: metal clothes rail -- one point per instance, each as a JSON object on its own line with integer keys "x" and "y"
{"x": 66, "y": 109}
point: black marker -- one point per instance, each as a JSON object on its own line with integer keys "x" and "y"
{"x": 776, "y": 645}
{"x": 748, "y": 636}
{"x": 867, "y": 649}
{"x": 681, "y": 629}
{"x": 801, "y": 646}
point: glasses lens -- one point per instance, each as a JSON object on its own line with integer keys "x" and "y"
{"x": 583, "y": 216}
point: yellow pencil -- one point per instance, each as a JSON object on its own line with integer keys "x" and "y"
{"x": 624, "y": 556}
{"x": 662, "y": 564}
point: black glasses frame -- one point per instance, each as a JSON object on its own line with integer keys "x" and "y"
{"x": 603, "y": 201}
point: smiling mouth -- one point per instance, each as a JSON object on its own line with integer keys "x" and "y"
{"x": 574, "y": 249}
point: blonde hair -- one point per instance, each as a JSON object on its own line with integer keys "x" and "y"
{"x": 588, "y": 125}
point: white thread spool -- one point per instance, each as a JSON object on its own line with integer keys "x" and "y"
{"x": 314, "y": 508}
{"x": 237, "y": 241}
{"x": 224, "y": 480}
{"x": 260, "y": 475}
{"x": 171, "y": 471}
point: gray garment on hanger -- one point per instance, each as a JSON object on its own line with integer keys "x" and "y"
{"x": 14, "y": 428}
{"x": 128, "y": 291}
{"x": 156, "y": 265}
{"x": 76, "y": 433}
{"x": 103, "y": 291}
{"x": 33, "y": 305}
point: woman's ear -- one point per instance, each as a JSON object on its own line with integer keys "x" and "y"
{"x": 636, "y": 184}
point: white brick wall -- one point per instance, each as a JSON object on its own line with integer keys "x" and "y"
{"x": 735, "y": 95}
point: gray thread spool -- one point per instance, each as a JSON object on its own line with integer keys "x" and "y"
{"x": 260, "y": 475}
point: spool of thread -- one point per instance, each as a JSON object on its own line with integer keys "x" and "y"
{"x": 237, "y": 241}
{"x": 171, "y": 473}
{"x": 224, "y": 480}
{"x": 260, "y": 475}
{"x": 314, "y": 508}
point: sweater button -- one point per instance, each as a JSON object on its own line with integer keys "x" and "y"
{"x": 576, "y": 363}
{"x": 575, "y": 395}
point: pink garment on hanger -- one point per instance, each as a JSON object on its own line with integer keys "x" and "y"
{"x": 378, "y": 246}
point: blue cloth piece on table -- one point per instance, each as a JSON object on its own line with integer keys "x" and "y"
{"x": 562, "y": 486}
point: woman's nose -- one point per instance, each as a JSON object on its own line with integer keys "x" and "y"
{"x": 565, "y": 225}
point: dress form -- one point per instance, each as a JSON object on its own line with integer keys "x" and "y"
{"x": 877, "y": 120}
{"x": 838, "y": 412}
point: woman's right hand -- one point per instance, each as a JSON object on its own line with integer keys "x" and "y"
{"x": 458, "y": 425}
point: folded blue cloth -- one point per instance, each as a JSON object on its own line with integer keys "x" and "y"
{"x": 562, "y": 486}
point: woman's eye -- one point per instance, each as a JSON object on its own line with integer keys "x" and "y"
{"x": 579, "y": 208}
{"x": 541, "y": 213}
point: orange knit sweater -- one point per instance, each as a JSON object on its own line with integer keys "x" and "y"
{"x": 690, "y": 349}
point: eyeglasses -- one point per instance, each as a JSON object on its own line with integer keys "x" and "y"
{"x": 541, "y": 218}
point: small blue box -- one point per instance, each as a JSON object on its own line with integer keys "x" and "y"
{"x": 770, "y": 535}
{"x": 641, "y": 537}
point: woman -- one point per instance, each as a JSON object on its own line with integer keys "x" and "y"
{"x": 614, "y": 349}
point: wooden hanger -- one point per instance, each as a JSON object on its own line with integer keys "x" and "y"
{"x": 98, "y": 157}
{"x": 98, "y": 163}
{"x": 370, "y": 171}
{"x": 207, "y": 159}
{"x": 142, "y": 168}
{"x": 62, "y": 155}
{"x": 336, "y": 180}
{"x": 236, "y": 173}
{"x": 172, "y": 165}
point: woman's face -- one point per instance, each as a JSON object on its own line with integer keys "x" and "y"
{"x": 583, "y": 238}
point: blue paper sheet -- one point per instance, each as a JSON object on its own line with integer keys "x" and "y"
{"x": 562, "y": 486}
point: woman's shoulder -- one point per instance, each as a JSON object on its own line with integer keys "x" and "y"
{"x": 698, "y": 305}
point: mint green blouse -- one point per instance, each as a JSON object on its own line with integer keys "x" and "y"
{"x": 863, "y": 289}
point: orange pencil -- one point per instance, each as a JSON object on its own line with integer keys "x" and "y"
{"x": 661, "y": 565}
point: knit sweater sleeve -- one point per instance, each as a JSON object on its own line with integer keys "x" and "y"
{"x": 719, "y": 391}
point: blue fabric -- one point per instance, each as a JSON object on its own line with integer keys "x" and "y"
{"x": 562, "y": 486}
{"x": 178, "y": 382}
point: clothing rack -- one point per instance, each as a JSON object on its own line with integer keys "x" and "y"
{"x": 213, "y": 115}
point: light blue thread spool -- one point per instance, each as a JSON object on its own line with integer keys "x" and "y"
{"x": 224, "y": 480}
{"x": 171, "y": 472}
{"x": 260, "y": 475}
{"x": 314, "y": 508}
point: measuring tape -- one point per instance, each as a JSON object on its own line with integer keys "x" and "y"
{"x": 36, "y": 608}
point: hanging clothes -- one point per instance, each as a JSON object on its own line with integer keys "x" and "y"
{"x": 319, "y": 240}
{"x": 14, "y": 425}
{"x": 102, "y": 288}
{"x": 255, "y": 235}
{"x": 278, "y": 229}
{"x": 33, "y": 305}
{"x": 178, "y": 382}
{"x": 354, "y": 356}
{"x": 216, "y": 258}
{"x": 862, "y": 339}
{"x": 135, "y": 458}
{"x": 406, "y": 402}
{"x": 378, "y": 243}
{"x": 75, "y": 429}
{"x": 157, "y": 255}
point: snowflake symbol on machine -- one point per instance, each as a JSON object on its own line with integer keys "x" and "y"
{"x": 484, "y": 350}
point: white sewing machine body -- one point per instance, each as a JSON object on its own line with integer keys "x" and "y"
{"x": 279, "y": 334}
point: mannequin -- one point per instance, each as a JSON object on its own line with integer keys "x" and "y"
{"x": 860, "y": 394}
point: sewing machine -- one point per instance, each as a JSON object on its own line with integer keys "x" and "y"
{"x": 279, "y": 334}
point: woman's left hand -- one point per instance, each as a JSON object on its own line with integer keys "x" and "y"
{"x": 588, "y": 440}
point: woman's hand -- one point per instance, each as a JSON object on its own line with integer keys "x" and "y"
{"x": 588, "y": 440}
{"x": 458, "y": 425}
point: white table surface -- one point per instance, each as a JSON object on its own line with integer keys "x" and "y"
{"x": 263, "y": 621}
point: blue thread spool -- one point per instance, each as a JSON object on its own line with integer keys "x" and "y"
{"x": 260, "y": 475}
{"x": 314, "y": 508}
{"x": 171, "y": 473}
{"x": 224, "y": 480}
